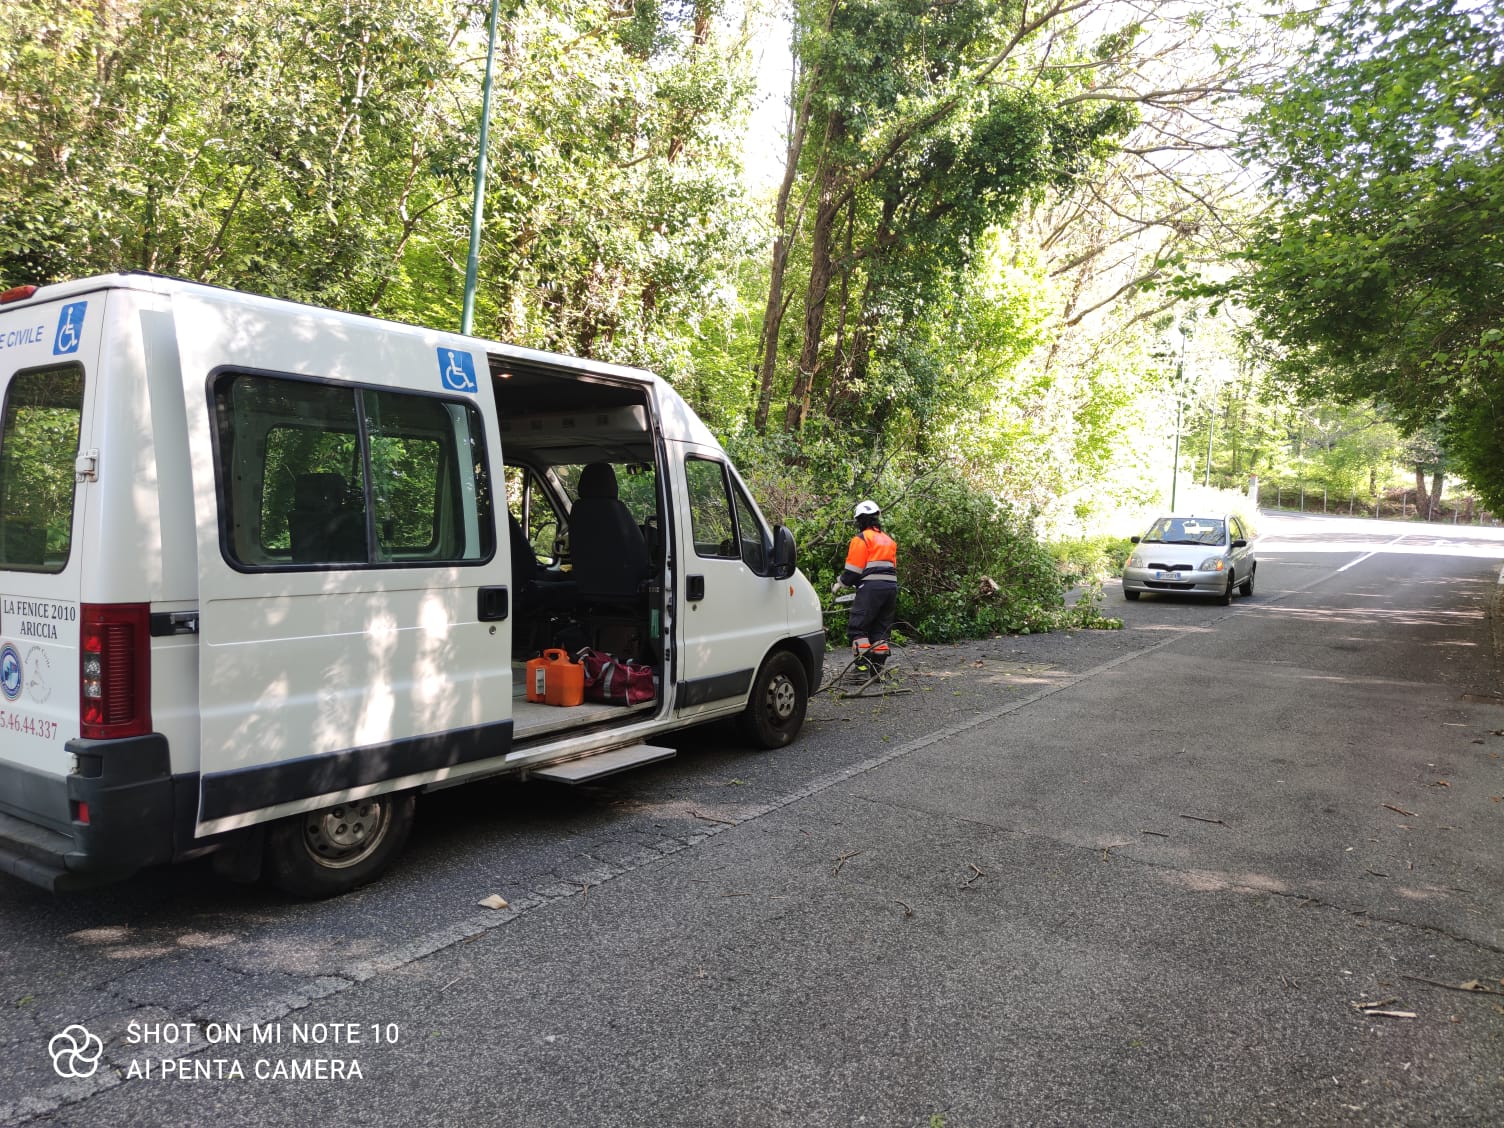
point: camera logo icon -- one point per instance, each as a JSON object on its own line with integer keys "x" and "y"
{"x": 75, "y": 1052}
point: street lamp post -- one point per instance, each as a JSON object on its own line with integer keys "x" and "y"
{"x": 472, "y": 263}
{"x": 1179, "y": 406}
{"x": 1211, "y": 431}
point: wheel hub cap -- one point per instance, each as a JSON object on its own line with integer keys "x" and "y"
{"x": 342, "y": 835}
{"x": 782, "y": 698}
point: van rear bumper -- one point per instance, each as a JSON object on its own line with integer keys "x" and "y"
{"x": 133, "y": 803}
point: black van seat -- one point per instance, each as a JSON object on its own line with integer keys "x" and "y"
{"x": 608, "y": 554}
{"x": 323, "y": 527}
{"x": 536, "y": 598}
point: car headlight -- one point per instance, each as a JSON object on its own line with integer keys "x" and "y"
{"x": 1213, "y": 564}
{"x": 1136, "y": 560}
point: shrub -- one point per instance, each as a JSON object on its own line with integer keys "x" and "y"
{"x": 969, "y": 563}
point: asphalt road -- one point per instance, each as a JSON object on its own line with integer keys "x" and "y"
{"x": 1225, "y": 866}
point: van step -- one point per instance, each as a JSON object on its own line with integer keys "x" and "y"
{"x": 604, "y": 763}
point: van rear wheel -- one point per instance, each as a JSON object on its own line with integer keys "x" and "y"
{"x": 780, "y": 696}
{"x": 335, "y": 849}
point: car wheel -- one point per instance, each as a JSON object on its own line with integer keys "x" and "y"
{"x": 1226, "y": 597}
{"x": 780, "y": 696}
{"x": 335, "y": 849}
{"x": 1245, "y": 589}
{"x": 1131, "y": 594}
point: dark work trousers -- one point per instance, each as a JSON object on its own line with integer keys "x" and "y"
{"x": 872, "y": 611}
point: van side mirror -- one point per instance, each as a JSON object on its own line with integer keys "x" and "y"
{"x": 783, "y": 552}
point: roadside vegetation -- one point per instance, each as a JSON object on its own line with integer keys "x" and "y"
{"x": 990, "y": 264}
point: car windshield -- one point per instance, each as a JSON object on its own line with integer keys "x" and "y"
{"x": 1186, "y": 530}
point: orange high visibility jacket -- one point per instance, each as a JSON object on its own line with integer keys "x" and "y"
{"x": 872, "y": 557}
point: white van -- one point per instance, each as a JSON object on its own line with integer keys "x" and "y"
{"x": 268, "y": 571}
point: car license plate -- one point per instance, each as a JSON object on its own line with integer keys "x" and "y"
{"x": 1167, "y": 575}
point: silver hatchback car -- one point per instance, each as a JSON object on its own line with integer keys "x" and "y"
{"x": 1192, "y": 554}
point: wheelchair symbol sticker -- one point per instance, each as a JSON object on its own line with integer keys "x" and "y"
{"x": 457, "y": 370}
{"x": 70, "y": 327}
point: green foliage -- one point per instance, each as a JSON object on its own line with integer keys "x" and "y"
{"x": 1382, "y": 273}
{"x": 969, "y": 563}
{"x": 325, "y": 152}
{"x": 1090, "y": 560}
{"x": 614, "y": 211}
{"x": 270, "y": 146}
{"x": 917, "y": 145}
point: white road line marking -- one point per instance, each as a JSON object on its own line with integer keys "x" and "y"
{"x": 1375, "y": 552}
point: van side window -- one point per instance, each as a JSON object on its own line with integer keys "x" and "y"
{"x": 38, "y": 444}
{"x": 711, "y": 523}
{"x": 316, "y": 474}
{"x": 754, "y": 539}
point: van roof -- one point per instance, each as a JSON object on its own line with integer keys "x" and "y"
{"x": 167, "y": 284}
{"x": 678, "y": 419}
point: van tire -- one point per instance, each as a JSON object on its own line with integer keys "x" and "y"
{"x": 335, "y": 849}
{"x": 780, "y": 696}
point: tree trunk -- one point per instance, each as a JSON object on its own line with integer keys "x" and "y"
{"x": 772, "y": 317}
{"x": 1437, "y": 482}
{"x": 821, "y": 268}
{"x": 1422, "y": 499}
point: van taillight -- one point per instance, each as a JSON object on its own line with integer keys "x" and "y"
{"x": 17, "y": 294}
{"x": 114, "y": 667}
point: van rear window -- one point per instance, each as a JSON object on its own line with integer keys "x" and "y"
{"x": 321, "y": 475}
{"x": 38, "y": 446}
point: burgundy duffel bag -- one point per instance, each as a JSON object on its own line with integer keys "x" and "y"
{"x": 613, "y": 682}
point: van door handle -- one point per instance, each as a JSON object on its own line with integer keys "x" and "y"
{"x": 494, "y": 604}
{"x": 694, "y": 588}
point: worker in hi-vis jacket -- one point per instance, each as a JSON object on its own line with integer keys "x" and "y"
{"x": 871, "y": 568}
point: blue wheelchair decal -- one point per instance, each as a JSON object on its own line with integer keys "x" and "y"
{"x": 457, "y": 370}
{"x": 70, "y": 327}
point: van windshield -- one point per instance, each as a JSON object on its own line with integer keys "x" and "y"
{"x": 38, "y": 445}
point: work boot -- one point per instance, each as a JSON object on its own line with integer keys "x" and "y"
{"x": 878, "y": 655}
{"x": 862, "y": 649}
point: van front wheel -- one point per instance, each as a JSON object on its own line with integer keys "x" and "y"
{"x": 780, "y": 696}
{"x": 335, "y": 849}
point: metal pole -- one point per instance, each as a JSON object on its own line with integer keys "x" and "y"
{"x": 472, "y": 264}
{"x": 1179, "y": 403}
{"x": 1175, "y": 465}
{"x": 1211, "y": 430}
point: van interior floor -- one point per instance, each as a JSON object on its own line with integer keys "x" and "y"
{"x": 533, "y": 719}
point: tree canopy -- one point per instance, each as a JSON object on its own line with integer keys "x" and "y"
{"x": 1379, "y": 272}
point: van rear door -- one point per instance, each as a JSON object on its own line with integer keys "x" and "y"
{"x": 49, "y": 354}
{"x": 353, "y": 614}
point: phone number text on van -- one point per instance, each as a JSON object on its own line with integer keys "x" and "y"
{"x": 31, "y": 726}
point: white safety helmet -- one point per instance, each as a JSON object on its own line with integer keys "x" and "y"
{"x": 867, "y": 509}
